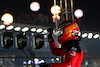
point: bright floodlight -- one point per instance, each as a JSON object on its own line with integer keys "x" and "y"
{"x": 42, "y": 61}
{"x": 78, "y": 13}
{"x": 36, "y": 59}
{"x": 10, "y": 27}
{"x": 45, "y": 36}
{"x": 33, "y": 29}
{"x": 45, "y": 31}
{"x": 86, "y": 63}
{"x": 57, "y": 59}
{"x": 96, "y": 36}
{"x": 25, "y": 29}
{"x": 7, "y": 19}
{"x": 84, "y": 35}
{"x": 29, "y": 62}
{"x": 34, "y": 6}
{"x": 52, "y": 59}
{"x": 17, "y": 28}
{"x": 55, "y": 9}
{"x": 90, "y": 35}
{"x": 57, "y": 15}
{"x": 39, "y": 30}
{"x": 2, "y": 26}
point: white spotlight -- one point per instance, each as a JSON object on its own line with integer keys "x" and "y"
{"x": 34, "y": 6}
{"x": 78, "y": 13}
{"x": 7, "y": 19}
{"x": 45, "y": 31}
{"x": 33, "y": 29}
{"x": 36, "y": 59}
{"x": 42, "y": 61}
{"x": 84, "y": 35}
{"x": 96, "y": 36}
{"x": 39, "y": 30}
{"x": 2, "y": 27}
{"x": 45, "y": 36}
{"x": 29, "y": 62}
{"x": 86, "y": 62}
{"x": 57, "y": 59}
{"x": 90, "y": 35}
{"x": 10, "y": 27}
{"x": 17, "y": 28}
{"x": 25, "y": 29}
{"x": 52, "y": 59}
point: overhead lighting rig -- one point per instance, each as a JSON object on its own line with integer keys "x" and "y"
{"x": 20, "y": 41}
{"x": 37, "y": 35}
{"x": 7, "y": 39}
{"x": 6, "y": 36}
{"x": 38, "y": 41}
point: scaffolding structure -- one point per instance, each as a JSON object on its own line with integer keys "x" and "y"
{"x": 66, "y": 10}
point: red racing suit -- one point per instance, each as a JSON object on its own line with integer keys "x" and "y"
{"x": 71, "y": 56}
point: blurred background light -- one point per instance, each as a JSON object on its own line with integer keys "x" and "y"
{"x": 2, "y": 26}
{"x": 86, "y": 63}
{"x": 45, "y": 36}
{"x": 36, "y": 59}
{"x": 96, "y": 36}
{"x": 17, "y": 28}
{"x": 42, "y": 61}
{"x": 78, "y": 13}
{"x": 7, "y": 19}
{"x": 33, "y": 29}
{"x": 84, "y": 35}
{"x": 29, "y": 61}
{"x": 39, "y": 30}
{"x": 56, "y": 16}
{"x": 52, "y": 59}
{"x": 90, "y": 35}
{"x": 24, "y": 62}
{"x": 25, "y": 29}
{"x": 57, "y": 59}
{"x": 55, "y": 9}
{"x": 34, "y": 6}
{"x": 45, "y": 31}
{"x": 9, "y": 27}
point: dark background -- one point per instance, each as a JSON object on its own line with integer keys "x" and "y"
{"x": 89, "y": 22}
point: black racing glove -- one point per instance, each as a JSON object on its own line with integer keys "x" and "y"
{"x": 49, "y": 32}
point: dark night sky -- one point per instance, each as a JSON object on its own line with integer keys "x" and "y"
{"x": 90, "y": 20}
{"x": 18, "y": 6}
